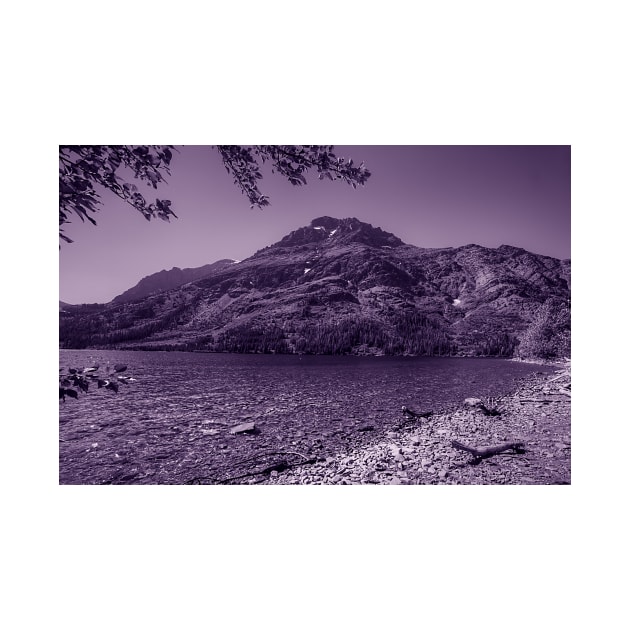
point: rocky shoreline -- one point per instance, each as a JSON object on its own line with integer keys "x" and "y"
{"x": 419, "y": 451}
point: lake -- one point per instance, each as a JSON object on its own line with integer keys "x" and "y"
{"x": 172, "y": 424}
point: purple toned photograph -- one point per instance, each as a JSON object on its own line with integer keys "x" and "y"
{"x": 314, "y": 315}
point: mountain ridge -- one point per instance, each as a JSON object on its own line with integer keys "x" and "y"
{"x": 341, "y": 286}
{"x": 168, "y": 279}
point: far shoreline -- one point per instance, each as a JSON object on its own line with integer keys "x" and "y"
{"x": 535, "y": 361}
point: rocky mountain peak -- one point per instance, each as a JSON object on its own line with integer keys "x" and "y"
{"x": 329, "y": 230}
{"x": 329, "y": 223}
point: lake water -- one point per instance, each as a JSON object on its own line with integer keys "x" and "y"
{"x": 172, "y": 424}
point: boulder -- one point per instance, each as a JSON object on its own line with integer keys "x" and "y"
{"x": 247, "y": 427}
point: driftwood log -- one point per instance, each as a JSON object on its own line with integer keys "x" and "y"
{"x": 563, "y": 374}
{"x": 279, "y": 466}
{"x": 544, "y": 401}
{"x": 489, "y": 451}
{"x": 409, "y": 413}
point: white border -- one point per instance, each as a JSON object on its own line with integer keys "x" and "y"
{"x": 339, "y": 73}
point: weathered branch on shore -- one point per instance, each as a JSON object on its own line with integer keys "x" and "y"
{"x": 409, "y": 413}
{"x": 267, "y": 453}
{"x": 278, "y": 466}
{"x": 563, "y": 374}
{"x": 489, "y": 451}
{"x": 545, "y": 401}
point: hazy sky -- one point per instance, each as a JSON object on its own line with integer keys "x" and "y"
{"x": 430, "y": 196}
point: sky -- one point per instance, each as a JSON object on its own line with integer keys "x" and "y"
{"x": 429, "y": 196}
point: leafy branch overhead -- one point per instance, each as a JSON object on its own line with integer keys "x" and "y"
{"x": 79, "y": 379}
{"x": 83, "y": 170}
{"x": 290, "y": 161}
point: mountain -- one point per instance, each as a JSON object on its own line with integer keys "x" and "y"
{"x": 165, "y": 280}
{"x": 340, "y": 286}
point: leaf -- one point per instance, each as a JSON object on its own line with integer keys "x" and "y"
{"x": 71, "y": 392}
{"x": 113, "y": 385}
{"x": 101, "y": 382}
{"x": 120, "y": 367}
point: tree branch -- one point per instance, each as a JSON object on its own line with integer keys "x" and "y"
{"x": 483, "y": 453}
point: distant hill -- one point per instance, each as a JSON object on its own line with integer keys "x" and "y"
{"x": 165, "y": 280}
{"x": 340, "y": 286}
